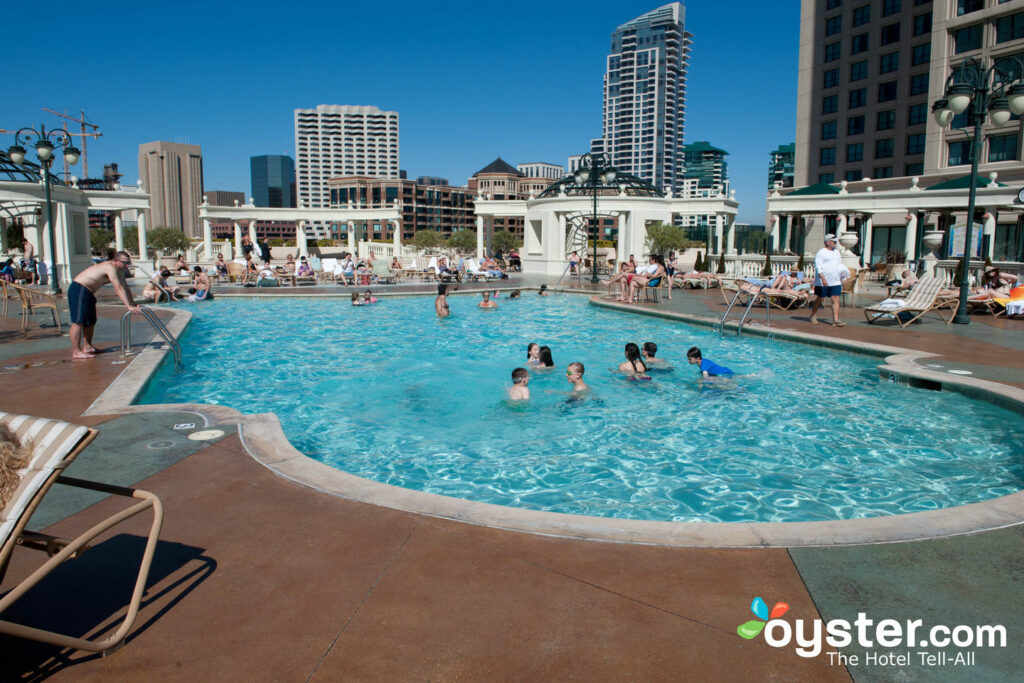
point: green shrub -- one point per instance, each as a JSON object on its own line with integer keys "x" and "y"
{"x": 166, "y": 239}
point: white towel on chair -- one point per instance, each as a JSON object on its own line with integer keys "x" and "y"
{"x": 892, "y": 303}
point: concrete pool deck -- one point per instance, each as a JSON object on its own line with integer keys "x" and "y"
{"x": 260, "y": 578}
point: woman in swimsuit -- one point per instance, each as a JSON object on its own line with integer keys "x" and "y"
{"x": 654, "y": 279}
{"x": 634, "y": 365}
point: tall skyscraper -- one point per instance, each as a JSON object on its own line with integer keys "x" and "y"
{"x": 333, "y": 141}
{"x": 780, "y": 167}
{"x": 705, "y": 163}
{"x": 869, "y": 73}
{"x": 645, "y": 95}
{"x": 273, "y": 180}
{"x": 172, "y": 174}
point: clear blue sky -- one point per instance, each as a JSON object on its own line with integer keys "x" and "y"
{"x": 471, "y": 80}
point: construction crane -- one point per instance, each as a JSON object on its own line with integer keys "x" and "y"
{"x": 85, "y": 135}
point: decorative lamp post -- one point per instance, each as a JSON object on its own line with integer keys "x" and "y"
{"x": 595, "y": 174}
{"x": 997, "y": 91}
{"x": 45, "y": 142}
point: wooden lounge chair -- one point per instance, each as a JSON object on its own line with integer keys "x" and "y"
{"x": 32, "y": 299}
{"x": 923, "y": 297}
{"x": 53, "y": 445}
{"x": 382, "y": 273}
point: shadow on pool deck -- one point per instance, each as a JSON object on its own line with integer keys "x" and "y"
{"x": 261, "y": 579}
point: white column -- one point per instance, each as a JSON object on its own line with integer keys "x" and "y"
{"x": 731, "y": 232}
{"x": 479, "y": 237}
{"x": 143, "y": 247}
{"x": 989, "y": 231}
{"x": 238, "y": 240}
{"x": 351, "y": 236}
{"x": 865, "y": 246}
{"x": 300, "y": 238}
{"x": 207, "y": 240}
{"x": 908, "y": 244}
{"x": 773, "y": 235}
{"x": 719, "y": 237}
{"x": 252, "y": 233}
{"x": 118, "y": 233}
{"x": 396, "y": 236}
{"x": 622, "y": 245}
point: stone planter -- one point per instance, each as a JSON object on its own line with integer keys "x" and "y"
{"x": 894, "y": 271}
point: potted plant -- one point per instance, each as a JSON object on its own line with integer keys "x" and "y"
{"x": 895, "y": 263}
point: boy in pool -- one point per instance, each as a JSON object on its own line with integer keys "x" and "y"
{"x": 519, "y": 390}
{"x": 574, "y": 375}
{"x": 487, "y": 303}
{"x": 707, "y": 368}
{"x": 647, "y": 355}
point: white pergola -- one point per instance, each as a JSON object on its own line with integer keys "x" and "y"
{"x": 550, "y": 221}
{"x": 71, "y": 205}
{"x": 249, "y": 214}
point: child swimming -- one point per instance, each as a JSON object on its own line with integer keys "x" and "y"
{"x": 520, "y": 380}
{"x": 574, "y": 375}
{"x": 533, "y": 354}
{"x": 707, "y": 368}
{"x": 634, "y": 366}
{"x": 546, "y": 362}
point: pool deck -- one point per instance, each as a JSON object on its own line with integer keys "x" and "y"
{"x": 259, "y": 578}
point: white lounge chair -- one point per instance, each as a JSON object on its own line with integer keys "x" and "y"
{"x": 923, "y": 297}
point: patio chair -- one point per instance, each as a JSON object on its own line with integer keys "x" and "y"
{"x": 923, "y": 297}
{"x": 9, "y": 292}
{"x": 382, "y": 273}
{"x": 31, "y": 299}
{"x": 853, "y": 283}
{"x": 326, "y": 270}
{"x": 236, "y": 271}
{"x": 53, "y": 446}
{"x": 474, "y": 272}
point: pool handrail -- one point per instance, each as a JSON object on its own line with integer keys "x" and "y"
{"x": 157, "y": 325}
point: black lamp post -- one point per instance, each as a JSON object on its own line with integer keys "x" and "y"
{"x": 44, "y": 142}
{"x": 595, "y": 174}
{"x": 997, "y": 91}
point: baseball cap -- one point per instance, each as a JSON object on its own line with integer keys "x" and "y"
{"x": 830, "y": 237}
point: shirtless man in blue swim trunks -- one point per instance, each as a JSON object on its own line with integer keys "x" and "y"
{"x": 82, "y": 300}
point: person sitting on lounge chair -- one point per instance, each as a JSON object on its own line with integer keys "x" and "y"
{"x": 491, "y": 266}
{"x": 305, "y": 270}
{"x": 345, "y": 268}
{"x": 651, "y": 276}
{"x": 181, "y": 267}
{"x": 623, "y": 277}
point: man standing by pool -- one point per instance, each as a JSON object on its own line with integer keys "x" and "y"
{"x": 82, "y": 300}
{"x": 828, "y": 279}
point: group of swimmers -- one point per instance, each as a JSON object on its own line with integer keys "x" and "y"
{"x": 639, "y": 360}
{"x": 443, "y": 310}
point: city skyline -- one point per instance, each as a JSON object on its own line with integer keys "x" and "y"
{"x": 526, "y": 86}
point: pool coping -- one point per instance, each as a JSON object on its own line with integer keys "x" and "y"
{"x": 263, "y": 438}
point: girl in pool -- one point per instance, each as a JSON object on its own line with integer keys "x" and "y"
{"x": 368, "y": 298}
{"x": 356, "y": 300}
{"x": 546, "y": 363}
{"x": 533, "y": 354}
{"x": 633, "y": 366}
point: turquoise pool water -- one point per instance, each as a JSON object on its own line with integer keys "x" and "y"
{"x": 391, "y": 393}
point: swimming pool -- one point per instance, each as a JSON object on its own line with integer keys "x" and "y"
{"x": 393, "y": 394}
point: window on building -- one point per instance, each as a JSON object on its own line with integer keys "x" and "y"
{"x": 828, "y": 130}
{"x": 916, "y": 168}
{"x": 887, "y": 91}
{"x": 827, "y": 157}
{"x": 959, "y": 153}
{"x": 859, "y": 71}
{"x": 885, "y": 120}
{"x": 967, "y": 6}
{"x": 917, "y": 113}
{"x": 826, "y": 177}
{"x": 861, "y": 15}
{"x": 922, "y": 24}
{"x": 858, "y": 98}
{"x": 882, "y": 172}
{"x": 1010, "y": 28}
{"x": 831, "y": 78}
{"x": 915, "y": 143}
{"x": 1002, "y": 147}
{"x": 832, "y": 4}
{"x": 859, "y": 44}
{"x": 918, "y": 3}
{"x": 921, "y": 54}
{"x": 967, "y": 38}
{"x": 890, "y": 34}
{"x": 883, "y": 148}
{"x": 830, "y": 104}
{"x": 855, "y": 152}
{"x": 833, "y": 51}
{"x": 855, "y": 125}
{"x": 919, "y": 84}
{"x": 889, "y": 62}
{"x": 890, "y": 7}
{"x": 834, "y": 25}
{"x": 854, "y": 176}
{"x": 960, "y": 120}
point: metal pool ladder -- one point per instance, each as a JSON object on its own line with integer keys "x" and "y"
{"x": 158, "y": 327}
{"x": 750, "y": 304}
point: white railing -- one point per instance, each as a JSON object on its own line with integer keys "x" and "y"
{"x": 751, "y": 265}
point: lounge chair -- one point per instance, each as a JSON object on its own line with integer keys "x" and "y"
{"x": 326, "y": 272}
{"x": 923, "y": 297}
{"x": 9, "y": 292}
{"x": 474, "y": 271}
{"x": 54, "y": 445}
{"x": 32, "y": 299}
{"x": 382, "y": 273}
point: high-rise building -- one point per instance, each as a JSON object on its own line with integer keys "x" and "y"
{"x": 540, "y": 169}
{"x": 500, "y": 180}
{"x": 869, "y": 73}
{"x": 172, "y": 174}
{"x": 424, "y": 206}
{"x": 780, "y": 167}
{"x": 273, "y": 180}
{"x": 707, "y": 164}
{"x": 645, "y": 95}
{"x": 333, "y": 141}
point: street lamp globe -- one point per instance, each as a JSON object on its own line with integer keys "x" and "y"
{"x": 16, "y": 153}
{"x": 71, "y": 155}
{"x": 959, "y": 97}
{"x": 1015, "y": 96}
{"x": 943, "y": 114}
{"x": 44, "y": 150}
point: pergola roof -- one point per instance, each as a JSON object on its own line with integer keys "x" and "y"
{"x": 964, "y": 182}
{"x": 817, "y": 188}
{"x": 25, "y": 172}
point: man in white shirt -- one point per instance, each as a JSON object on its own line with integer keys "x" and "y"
{"x": 828, "y": 279}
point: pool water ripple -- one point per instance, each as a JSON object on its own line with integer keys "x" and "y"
{"x": 391, "y": 393}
